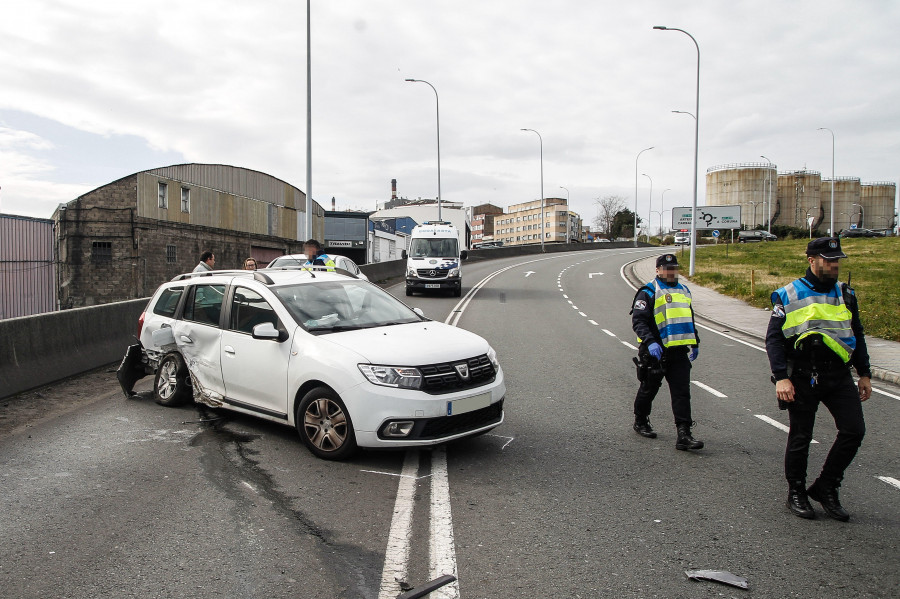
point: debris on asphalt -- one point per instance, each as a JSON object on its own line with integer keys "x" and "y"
{"x": 718, "y": 576}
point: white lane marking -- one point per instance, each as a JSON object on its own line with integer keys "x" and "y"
{"x": 529, "y": 273}
{"x": 395, "y": 474}
{"x": 891, "y": 481}
{"x": 583, "y": 314}
{"x": 442, "y": 551}
{"x": 700, "y": 326}
{"x": 885, "y": 393}
{"x": 710, "y": 389}
{"x": 396, "y": 556}
{"x": 593, "y": 323}
{"x": 574, "y": 307}
{"x": 591, "y": 274}
{"x": 570, "y": 301}
{"x": 511, "y": 439}
{"x": 776, "y": 424}
{"x": 626, "y": 344}
{"x": 565, "y": 296}
{"x": 610, "y": 333}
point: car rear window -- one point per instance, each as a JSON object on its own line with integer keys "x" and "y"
{"x": 168, "y": 301}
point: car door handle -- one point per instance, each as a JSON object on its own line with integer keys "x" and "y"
{"x": 186, "y": 339}
{"x": 228, "y": 349}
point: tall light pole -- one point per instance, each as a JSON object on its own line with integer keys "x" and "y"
{"x": 308, "y": 128}
{"x": 754, "y": 204}
{"x": 859, "y": 220}
{"x": 437, "y": 106}
{"x": 636, "y": 190}
{"x": 649, "y": 206}
{"x": 662, "y": 205}
{"x": 567, "y": 212}
{"x": 696, "y": 116}
{"x": 769, "y": 198}
{"x": 831, "y": 230}
{"x": 542, "y": 184}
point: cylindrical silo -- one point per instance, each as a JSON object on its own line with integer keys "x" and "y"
{"x": 877, "y": 199}
{"x": 749, "y": 185}
{"x": 799, "y": 198}
{"x": 846, "y": 203}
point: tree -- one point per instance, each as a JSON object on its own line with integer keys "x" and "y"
{"x": 623, "y": 224}
{"x": 607, "y": 208}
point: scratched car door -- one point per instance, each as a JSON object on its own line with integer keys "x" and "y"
{"x": 198, "y": 338}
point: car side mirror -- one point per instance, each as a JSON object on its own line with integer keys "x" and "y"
{"x": 403, "y": 254}
{"x": 463, "y": 255}
{"x": 266, "y": 330}
{"x": 419, "y": 312}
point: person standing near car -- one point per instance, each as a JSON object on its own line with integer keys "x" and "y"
{"x": 315, "y": 256}
{"x": 207, "y": 261}
{"x": 663, "y": 319}
{"x": 250, "y": 263}
{"x": 815, "y": 335}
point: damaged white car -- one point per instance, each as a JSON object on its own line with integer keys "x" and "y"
{"x": 338, "y": 358}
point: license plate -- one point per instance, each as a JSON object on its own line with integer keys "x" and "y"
{"x": 468, "y": 404}
{"x": 432, "y": 286}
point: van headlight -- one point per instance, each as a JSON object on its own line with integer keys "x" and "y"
{"x": 454, "y": 272}
{"x": 492, "y": 356}
{"x": 402, "y": 377}
{"x": 410, "y": 272}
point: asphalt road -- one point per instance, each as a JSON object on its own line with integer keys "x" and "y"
{"x": 124, "y": 498}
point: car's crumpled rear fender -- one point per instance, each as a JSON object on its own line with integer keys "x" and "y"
{"x": 132, "y": 369}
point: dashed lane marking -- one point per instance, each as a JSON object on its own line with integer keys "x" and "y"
{"x": 583, "y": 314}
{"x": 626, "y": 344}
{"x": 710, "y": 389}
{"x": 776, "y": 424}
{"x": 891, "y": 481}
{"x": 593, "y": 323}
{"x": 610, "y": 333}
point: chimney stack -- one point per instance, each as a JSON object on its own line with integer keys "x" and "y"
{"x": 332, "y": 204}
{"x": 393, "y": 189}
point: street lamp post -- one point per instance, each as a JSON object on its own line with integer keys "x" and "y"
{"x": 649, "y": 206}
{"x": 831, "y": 212}
{"x": 696, "y": 116}
{"x": 859, "y": 221}
{"x": 437, "y": 106}
{"x": 542, "y": 184}
{"x": 769, "y": 195}
{"x": 754, "y": 204}
{"x": 662, "y": 205}
{"x": 568, "y": 209}
{"x": 808, "y": 223}
{"x": 308, "y": 128}
{"x": 636, "y": 190}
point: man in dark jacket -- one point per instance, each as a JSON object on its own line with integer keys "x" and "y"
{"x": 814, "y": 337}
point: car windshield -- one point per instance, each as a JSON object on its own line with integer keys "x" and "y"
{"x": 282, "y": 261}
{"x": 333, "y": 306}
{"x": 434, "y": 247}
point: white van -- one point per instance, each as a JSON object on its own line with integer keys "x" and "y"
{"x": 434, "y": 260}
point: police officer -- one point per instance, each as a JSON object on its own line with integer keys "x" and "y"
{"x": 814, "y": 336}
{"x": 315, "y": 256}
{"x": 663, "y": 319}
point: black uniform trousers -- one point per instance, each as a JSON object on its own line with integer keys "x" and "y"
{"x": 841, "y": 396}
{"x": 678, "y": 375}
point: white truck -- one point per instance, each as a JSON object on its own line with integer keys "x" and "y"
{"x": 434, "y": 259}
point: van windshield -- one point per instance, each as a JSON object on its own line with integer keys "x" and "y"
{"x": 434, "y": 247}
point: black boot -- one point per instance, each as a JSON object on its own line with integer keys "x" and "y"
{"x": 827, "y": 495}
{"x": 685, "y": 440}
{"x": 797, "y": 501}
{"x": 643, "y": 428}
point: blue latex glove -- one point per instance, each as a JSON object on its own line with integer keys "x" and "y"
{"x": 655, "y": 350}
{"x": 695, "y": 351}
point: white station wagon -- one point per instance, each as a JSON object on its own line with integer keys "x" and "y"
{"x": 338, "y": 358}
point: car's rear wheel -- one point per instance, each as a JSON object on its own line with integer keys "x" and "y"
{"x": 324, "y": 425}
{"x": 172, "y": 386}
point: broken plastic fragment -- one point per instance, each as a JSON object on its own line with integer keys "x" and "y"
{"x": 717, "y": 576}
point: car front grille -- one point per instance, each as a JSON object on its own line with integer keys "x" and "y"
{"x": 446, "y": 426}
{"x": 448, "y": 377}
{"x": 432, "y": 273}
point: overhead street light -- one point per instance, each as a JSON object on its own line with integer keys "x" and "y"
{"x": 859, "y": 220}
{"x": 437, "y": 105}
{"x": 649, "y": 206}
{"x": 696, "y": 116}
{"x": 662, "y": 204}
{"x": 831, "y": 230}
{"x": 542, "y": 184}
{"x": 568, "y": 209}
{"x": 636, "y": 190}
{"x": 769, "y": 190}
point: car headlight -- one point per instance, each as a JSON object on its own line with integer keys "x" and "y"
{"x": 492, "y": 356}
{"x": 454, "y": 272}
{"x": 402, "y": 377}
{"x": 410, "y": 272}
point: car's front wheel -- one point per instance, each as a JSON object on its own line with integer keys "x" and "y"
{"x": 324, "y": 425}
{"x": 172, "y": 386}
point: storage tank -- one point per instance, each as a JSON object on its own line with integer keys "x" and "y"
{"x": 846, "y": 203}
{"x": 748, "y": 185}
{"x": 877, "y": 199}
{"x": 799, "y": 195}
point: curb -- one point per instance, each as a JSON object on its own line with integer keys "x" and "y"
{"x": 879, "y": 373}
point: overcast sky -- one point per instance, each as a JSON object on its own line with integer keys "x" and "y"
{"x": 97, "y": 90}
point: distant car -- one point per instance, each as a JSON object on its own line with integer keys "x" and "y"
{"x": 296, "y": 260}
{"x": 682, "y": 238}
{"x": 602, "y": 240}
{"x": 861, "y": 233}
{"x": 753, "y": 236}
{"x": 489, "y": 245}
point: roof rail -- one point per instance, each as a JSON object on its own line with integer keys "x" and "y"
{"x": 210, "y": 273}
{"x": 263, "y": 277}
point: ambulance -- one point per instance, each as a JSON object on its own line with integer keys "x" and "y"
{"x": 434, "y": 259}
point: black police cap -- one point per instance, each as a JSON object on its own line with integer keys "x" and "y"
{"x": 667, "y": 260}
{"x": 827, "y": 247}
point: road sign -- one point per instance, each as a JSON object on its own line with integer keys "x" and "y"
{"x": 716, "y": 233}
{"x": 708, "y": 217}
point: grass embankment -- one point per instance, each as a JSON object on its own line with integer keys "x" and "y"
{"x": 874, "y": 264}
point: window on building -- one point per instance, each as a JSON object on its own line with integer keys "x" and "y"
{"x": 185, "y": 199}
{"x": 163, "y": 190}
{"x": 101, "y": 252}
{"x": 171, "y": 256}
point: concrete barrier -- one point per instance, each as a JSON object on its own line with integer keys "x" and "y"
{"x": 40, "y": 349}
